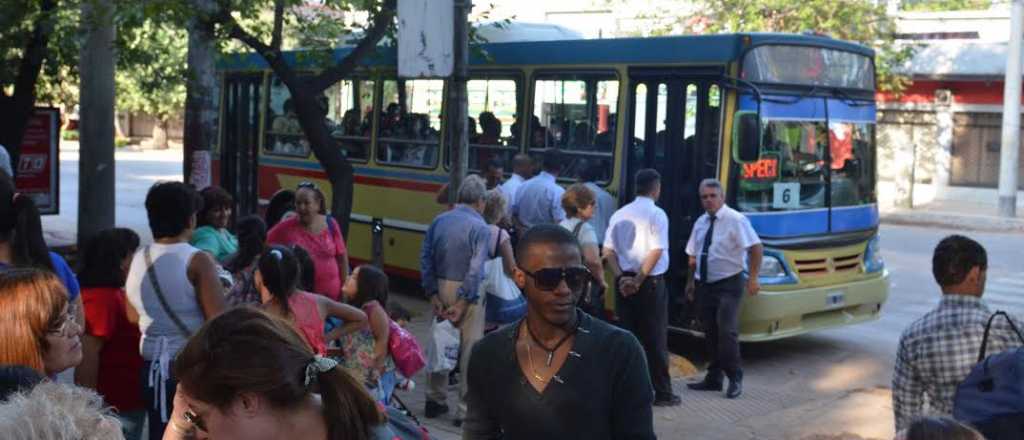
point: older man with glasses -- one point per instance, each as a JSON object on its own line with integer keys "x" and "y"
{"x": 720, "y": 239}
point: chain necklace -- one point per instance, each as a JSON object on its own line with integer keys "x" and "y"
{"x": 551, "y": 351}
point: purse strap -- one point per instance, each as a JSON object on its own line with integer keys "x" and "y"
{"x": 151, "y": 271}
{"x": 988, "y": 326}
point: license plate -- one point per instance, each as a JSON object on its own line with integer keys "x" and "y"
{"x": 835, "y": 299}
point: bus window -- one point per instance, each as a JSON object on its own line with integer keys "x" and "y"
{"x": 576, "y": 114}
{"x": 351, "y": 104}
{"x": 792, "y": 164}
{"x": 410, "y": 126}
{"x": 284, "y": 136}
{"x": 690, "y": 124}
{"x": 492, "y": 112}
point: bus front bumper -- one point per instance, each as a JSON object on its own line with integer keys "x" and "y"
{"x": 774, "y": 315}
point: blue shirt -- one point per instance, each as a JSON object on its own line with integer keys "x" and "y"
{"x": 539, "y": 201}
{"x": 455, "y": 249}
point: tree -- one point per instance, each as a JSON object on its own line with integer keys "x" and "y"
{"x": 854, "y": 20}
{"x": 243, "y": 21}
{"x": 945, "y": 5}
{"x": 151, "y": 79}
{"x": 25, "y": 31}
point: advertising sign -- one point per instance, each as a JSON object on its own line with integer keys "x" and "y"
{"x": 38, "y": 167}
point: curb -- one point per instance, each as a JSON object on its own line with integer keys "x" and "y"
{"x": 966, "y": 222}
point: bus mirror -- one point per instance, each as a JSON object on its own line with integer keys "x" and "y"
{"x": 747, "y": 137}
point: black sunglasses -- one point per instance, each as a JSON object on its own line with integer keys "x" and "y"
{"x": 549, "y": 278}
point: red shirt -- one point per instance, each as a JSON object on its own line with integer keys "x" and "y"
{"x": 324, "y": 249}
{"x": 119, "y": 380}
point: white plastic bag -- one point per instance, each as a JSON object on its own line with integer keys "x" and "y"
{"x": 497, "y": 283}
{"x": 443, "y": 349}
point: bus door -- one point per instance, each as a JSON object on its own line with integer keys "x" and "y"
{"x": 240, "y": 139}
{"x": 675, "y": 130}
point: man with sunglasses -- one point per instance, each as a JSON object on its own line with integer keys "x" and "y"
{"x": 558, "y": 373}
{"x": 636, "y": 249}
{"x": 720, "y": 240}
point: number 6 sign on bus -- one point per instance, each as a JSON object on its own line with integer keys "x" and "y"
{"x": 38, "y": 165}
{"x": 786, "y": 195}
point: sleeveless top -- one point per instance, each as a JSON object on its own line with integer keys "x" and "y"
{"x": 308, "y": 320}
{"x": 160, "y": 336}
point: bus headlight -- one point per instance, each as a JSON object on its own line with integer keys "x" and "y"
{"x": 772, "y": 267}
{"x": 873, "y": 261}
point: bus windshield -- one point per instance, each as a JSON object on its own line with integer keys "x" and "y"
{"x": 799, "y": 160}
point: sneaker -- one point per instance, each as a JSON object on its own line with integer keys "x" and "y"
{"x": 434, "y": 409}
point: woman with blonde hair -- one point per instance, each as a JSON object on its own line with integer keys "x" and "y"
{"x": 53, "y": 411}
{"x": 39, "y": 329}
{"x": 579, "y": 203}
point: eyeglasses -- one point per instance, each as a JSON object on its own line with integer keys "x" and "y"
{"x": 549, "y": 278}
{"x": 65, "y": 324}
{"x": 195, "y": 420}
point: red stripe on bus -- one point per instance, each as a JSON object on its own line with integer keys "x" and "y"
{"x": 364, "y": 180}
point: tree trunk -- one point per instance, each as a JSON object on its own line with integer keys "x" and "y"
{"x": 96, "y": 163}
{"x": 200, "y": 111}
{"x": 160, "y": 134}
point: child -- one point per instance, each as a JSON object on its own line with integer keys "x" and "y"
{"x": 366, "y": 351}
{"x": 277, "y": 278}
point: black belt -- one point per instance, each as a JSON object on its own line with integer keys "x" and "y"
{"x": 721, "y": 281}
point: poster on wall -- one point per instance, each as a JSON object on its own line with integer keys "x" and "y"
{"x": 38, "y": 173}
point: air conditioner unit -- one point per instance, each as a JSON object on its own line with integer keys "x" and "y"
{"x": 944, "y": 97}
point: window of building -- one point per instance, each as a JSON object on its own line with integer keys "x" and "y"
{"x": 576, "y": 113}
{"x": 410, "y": 126}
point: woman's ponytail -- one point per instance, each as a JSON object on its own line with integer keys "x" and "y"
{"x": 349, "y": 410}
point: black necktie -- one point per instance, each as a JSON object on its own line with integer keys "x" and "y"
{"x": 705, "y": 249}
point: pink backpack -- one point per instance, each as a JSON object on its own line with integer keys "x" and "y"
{"x": 405, "y": 350}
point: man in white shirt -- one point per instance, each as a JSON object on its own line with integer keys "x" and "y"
{"x": 539, "y": 200}
{"x": 606, "y": 204}
{"x": 636, "y": 249}
{"x": 522, "y": 169}
{"x": 716, "y": 248}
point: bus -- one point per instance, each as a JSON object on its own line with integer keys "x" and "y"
{"x": 785, "y": 121}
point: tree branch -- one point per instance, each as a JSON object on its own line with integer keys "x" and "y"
{"x": 382, "y": 20}
{"x": 270, "y": 53}
{"x": 275, "y": 38}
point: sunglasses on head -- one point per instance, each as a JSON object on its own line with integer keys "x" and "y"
{"x": 195, "y": 420}
{"x": 306, "y": 184}
{"x": 549, "y": 278}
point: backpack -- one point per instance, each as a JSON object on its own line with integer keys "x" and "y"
{"x": 991, "y": 398}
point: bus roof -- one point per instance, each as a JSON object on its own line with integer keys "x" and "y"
{"x": 717, "y": 49}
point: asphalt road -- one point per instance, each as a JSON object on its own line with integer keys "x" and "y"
{"x": 828, "y": 385}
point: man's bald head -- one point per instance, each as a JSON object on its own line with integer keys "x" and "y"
{"x": 522, "y": 165}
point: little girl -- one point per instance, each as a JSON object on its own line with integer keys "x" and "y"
{"x": 277, "y": 278}
{"x": 366, "y": 350}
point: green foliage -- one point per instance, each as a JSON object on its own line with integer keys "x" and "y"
{"x": 853, "y": 20}
{"x": 945, "y": 5}
{"x": 69, "y": 135}
{"x": 152, "y": 69}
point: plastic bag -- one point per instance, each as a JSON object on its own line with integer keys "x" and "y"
{"x": 443, "y": 349}
{"x": 405, "y": 350}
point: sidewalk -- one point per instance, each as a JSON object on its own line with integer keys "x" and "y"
{"x": 963, "y": 216}
{"x": 767, "y": 410}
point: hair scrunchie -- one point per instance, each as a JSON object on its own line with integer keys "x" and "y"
{"x": 316, "y": 366}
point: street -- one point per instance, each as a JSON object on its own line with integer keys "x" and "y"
{"x": 828, "y": 385}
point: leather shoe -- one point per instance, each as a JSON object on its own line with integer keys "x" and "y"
{"x": 434, "y": 409}
{"x": 669, "y": 400}
{"x": 705, "y": 385}
{"x": 735, "y": 389}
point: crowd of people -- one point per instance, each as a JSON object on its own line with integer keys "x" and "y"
{"x": 257, "y": 329}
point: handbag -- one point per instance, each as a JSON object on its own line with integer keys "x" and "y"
{"x": 590, "y": 300}
{"x": 405, "y": 350}
{"x": 151, "y": 271}
{"x": 504, "y": 302}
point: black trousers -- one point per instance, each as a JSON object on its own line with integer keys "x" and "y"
{"x": 646, "y": 315}
{"x": 719, "y": 311}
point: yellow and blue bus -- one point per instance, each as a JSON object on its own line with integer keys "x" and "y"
{"x": 786, "y": 122}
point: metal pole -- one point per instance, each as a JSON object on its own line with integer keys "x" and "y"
{"x": 458, "y": 100}
{"x": 96, "y": 162}
{"x": 1010, "y": 157}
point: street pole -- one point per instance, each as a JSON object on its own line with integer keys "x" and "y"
{"x": 458, "y": 100}
{"x": 200, "y": 112}
{"x": 96, "y": 145}
{"x": 1010, "y": 155}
